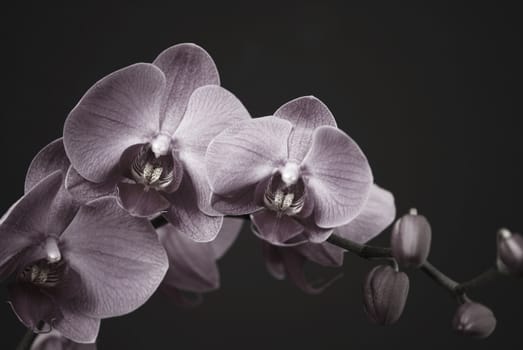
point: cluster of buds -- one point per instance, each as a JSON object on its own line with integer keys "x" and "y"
{"x": 386, "y": 288}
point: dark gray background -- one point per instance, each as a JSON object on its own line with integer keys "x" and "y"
{"x": 431, "y": 94}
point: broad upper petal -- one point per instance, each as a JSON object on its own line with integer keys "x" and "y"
{"x": 118, "y": 258}
{"x": 120, "y": 110}
{"x": 378, "y": 213}
{"x": 186, "y": 68}
{"x": 306, "y": 114}
{"x": 246, "y": 153}
{"x": 211, "y": 109}
{"x": 338, "y": 177}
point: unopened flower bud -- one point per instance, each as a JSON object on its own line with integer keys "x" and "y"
{"x": 410, "y": 240}
{"x": 510, "y": 252}
{"x": 474, "y": 319}
{"x": 385, "y": 293}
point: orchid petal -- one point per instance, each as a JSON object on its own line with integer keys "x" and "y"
{"x": 230, "y": 230}
{"x": 186, "y": 68}
{"x": 85, "y": 191}
{"x": 211, "y": 109}
{"x": 277, "y": 230}
{"x": 27, "y": 221}
{"x": 187, "y": 218}
{"x": 339, "y": 177}
{"x": 192, "y": 265}
{"x": 246, "y": 153}
{"x": 141, "y": 202}
{"x": 120, "y": 110}
{"x": 50, "y": 158}
{"x": 77, "y": 327}
{"x": 118, "y": 258}
{"x": 377, "y": 214}
{"x": 306, "y": 114}
{"x": 31, "y": 306}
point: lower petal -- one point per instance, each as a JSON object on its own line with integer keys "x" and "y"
{"x": 324, "y": 254}
{"x": 141, "y": 202}
{"x": 77, "y": 327}
{"x": 32, "y": 306}
{"x": 186, "y": 217}
{"x": 275, "y": 230}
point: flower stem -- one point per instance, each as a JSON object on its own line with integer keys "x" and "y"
{"x": 456, "y": 289}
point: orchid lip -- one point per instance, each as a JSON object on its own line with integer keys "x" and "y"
{"x": 43, "y": 273}
{"x": 152, "y": 171}
{"x": 284, "y": 197}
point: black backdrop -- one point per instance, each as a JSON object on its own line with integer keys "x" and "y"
{"x": 431, "y": 94}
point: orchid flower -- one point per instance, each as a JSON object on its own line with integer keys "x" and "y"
{"x": 296, "y": 174}
{"x": 282, "y": 262}
{"x": 142, "y": 132}
{"x": 72, "y": 266}
{"x": 192, "y": 265}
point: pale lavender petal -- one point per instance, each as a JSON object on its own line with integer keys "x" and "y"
{"x": 119, "y": 111}
{"x": 273, "y": 229}
{"x": 306, "y": 114}
{"x": 378, "y": 213}
{"x": 192, "y": 265}
{"x": 187, "y": 218}
{"x": 230, "y": 230}
{"x": 324, "y": 254}
{"x": 26, "y": 222}
{"x": 50, "y": 158}
{"x": 85, "y": 191}
{"x": 246, "y": 153}
{"x": 237, "y": 203}
{"x": 140, "y": 202}
{"x": 32, "y": 306}
{"x": 186, "y": 68}
{"x": 118, "y": 257}
{"x": 77, "y": 327}
{"x": 211, "y": 109}
{"x": 313, "y": 232}
{"x": 339, "y": 177}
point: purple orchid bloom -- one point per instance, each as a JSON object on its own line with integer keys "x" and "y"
{"x": 142, "y": 132}
{"x": 55, "y": 341}
{"x": 71, "y": 265}
{"x": 296, "y": 174}
{"x": 289, "y": 261}
{"x": 192, "y": 265}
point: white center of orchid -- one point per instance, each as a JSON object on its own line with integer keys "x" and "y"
{"x": 51, "y": 250}
{"x": 290, "y": 173}
{"x": 161, "y": 145}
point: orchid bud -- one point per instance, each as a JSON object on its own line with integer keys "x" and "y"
{"x": 474, "y": 319}
{"x": 510, "y": 252}
{"x": 385, "y": 293}
{"x": 410, "y": 240}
